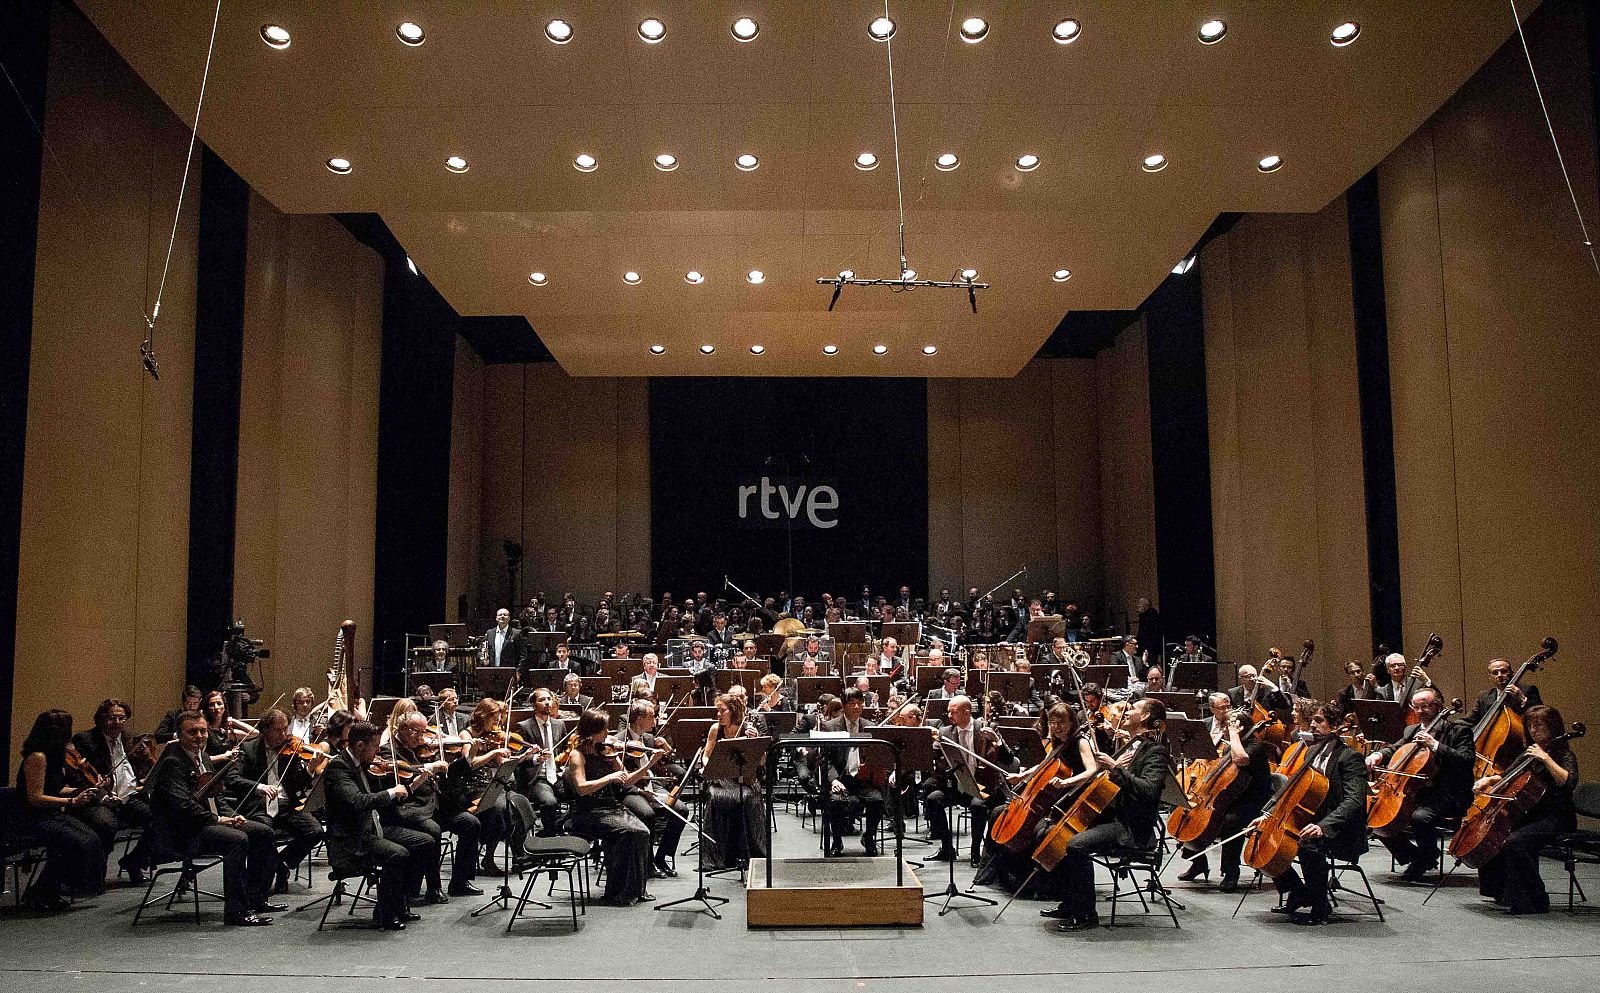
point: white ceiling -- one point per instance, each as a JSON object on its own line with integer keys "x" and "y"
{"x": 806, "y": 96}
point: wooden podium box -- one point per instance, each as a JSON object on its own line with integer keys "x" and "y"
{"x": 832, "y": 893}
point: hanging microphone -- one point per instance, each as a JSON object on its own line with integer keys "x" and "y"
{"x": 147, "y": 353}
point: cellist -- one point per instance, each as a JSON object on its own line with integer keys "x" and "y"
{"x": 1139, "y": 770}
{"x": 1444, "y": 797}
{"x": 1512, "y": 878}
{"x": 1340, "y": 828}
{"x": 1254, "y": 762}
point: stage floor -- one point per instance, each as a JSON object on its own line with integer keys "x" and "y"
{"x": 1454, "y": 943}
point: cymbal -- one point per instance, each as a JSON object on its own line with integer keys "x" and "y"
{"x": 787, "y": 626}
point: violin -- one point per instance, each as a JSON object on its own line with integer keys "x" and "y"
{"x": 613, "y": 748}
{"x": 1498, "y": 806}
{"x": 1499, "y": 735}
{"x": 382, "y": 766}
{"x": 1399, "y": 782}
{"x": 82, "y": 767}
{"x": 313, "y": 756}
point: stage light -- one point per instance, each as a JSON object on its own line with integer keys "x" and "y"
{"x": 866, "y": 162}
{"x": 847, "y": 274}
{"x": 879, "y": 349}
{"x": 1027, "y": 162}
{"x": 745, "y": 29}
{"x": 694, "y": 277}
{"x": 1184, "y": 266}
{"x": 946, "y": 162}
{"x": 746, "y": 162}
{"x": 658, "y": 349}
{"x": 881, "y": 29}
{"x": 1212, "y": 31}
{"x": 1061, "y": 275}
{"x": 412, "y": 266}
{"x": 666, "y": 162}
{"x": 340, "y": 166}
{"x": 1271, "y": 163}
{"x": 652, "y": 30}
{"x": 1154, "y": 163}
{"x": 757, "y": 349}
{"x": 456, "y": 163}
{"x": 830, "y": 349}
{"x": 1344, "y": 34}
{"x": 277, "y": 36}
{"x": 707, "y": 349}
{"x": 585, "y": 162}
{"x": 974, "y": 30}
{"x": 410, "y": 33}
{"x": 908, "y": 274}
{"x": 538, "y": 278}
{"x": 755, "y": 277}
{"x": 969, "y": 274}
{"x": 632, "y": 278}
{"x": 558, "y": 31}
{"x": 1066, "y": 32}
{"x": 929, "y": 349}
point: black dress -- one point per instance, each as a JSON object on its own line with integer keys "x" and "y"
{"x": 602, "y": 816}
{"x": 1512, "y": 877}
{"x": 736, "y": 821}
{"x": 1007, "y": 869}
{"x": 74, "y": 856}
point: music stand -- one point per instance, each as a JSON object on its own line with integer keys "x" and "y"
{"x": 622, "y": 670}
{"x": 673, "y": 690}
{"x": 596, "y": 688}
{"x": 1014, "y": 686}
{"x": 937, "y": 711}
{"x": 502, "y": 781}
{"x": 1380, "y": 720}
{"x": 543, "y": 679}
{"x": 1025, "y": 741}
{"x": 1042, "y": 671}
{"x": 380, "y": 708}
{"x": 930, "y": 677}
{"x": 1044, "y": 630}
{"x": 493, "y": 680}
{"x": 542, "y": 646}
{"x": 730, "y": 757}
{"x": 964, "y": 783}
{"x": 779, "y": 722}
{"x": 455, "y": 635}
{"x": 1110, "y": 677}
{"x": 848, "y": 632}
{"x": 811, "y": 687}
{"x": 687, "y": 735}
{"x": 438, "y": 679}
{"x": 1197, "y": 675}
{"x": 1183, "y": 703}
{"x": 726, "y": 678}
{"x": 1188, "y": 740}
{"x": 903, "y": 632}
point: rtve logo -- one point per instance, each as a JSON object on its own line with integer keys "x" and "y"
{"x": 813, "y": 500}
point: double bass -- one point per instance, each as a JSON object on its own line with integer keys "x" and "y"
{"x": 1497, "y": 807}
{"x": 1274, "y": 841}
{"x": 1408, "y": 771}
{"x": 1434, "y": 647}
{"x": 1499, "y": 734}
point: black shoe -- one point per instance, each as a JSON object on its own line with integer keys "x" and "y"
{"x": 48, "y": 903}
{"x": 489, "y": 866}
{"x": 1315, "y": 917}
{"x": 977, "y": 858}
{"x": 280, "y": 885}
{"x": 434, "y": 897}
{"x": 1200, "y": 868}
{"x": 1229, "y": 884}
{"x": 643, "y": 898}
{"x": 872, "y": 850}
{"x": 408, "y": 917}
{"x": 833, "y": 852}
{"x": 661, "y": 870}
{"x": 248, "y": 920}
{"x": 135, "y": 872}
{"x": 270, "y": 908}
{"x": 1417, "y": 872}
{"x": 1057, "y": 914}
{"x": 944, "y": 854}
{"x": 1086, "y": 923}
{"x": 464, "y": 889}
{"x": 1291, "y": 905}
{"x": 393, "y": 926}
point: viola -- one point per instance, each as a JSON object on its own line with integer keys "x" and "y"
{"x": 82, "y": 767}
{"x": 1499, "y": 735}
{"x": 1274, "y": 842}
{"x": 1399, "y": 782}
{"x": 1498, "y": 806}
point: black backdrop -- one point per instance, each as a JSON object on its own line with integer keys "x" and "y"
{"x": 865, "y": 438}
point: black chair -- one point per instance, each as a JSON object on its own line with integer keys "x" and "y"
{"x": 188, "y": 870}
{"x": 1580, "y": 847}
{"x": 562, "y": 853}
{"x": 1124, "y": 864}
{"x": 16, "y": 852}
{"x": 1336, "y": 868}
{"x": 341, "y": 876}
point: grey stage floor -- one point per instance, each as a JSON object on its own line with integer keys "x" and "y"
{"x": 1454, "y": 943}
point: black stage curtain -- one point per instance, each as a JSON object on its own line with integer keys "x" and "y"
{"x": 804, "y": 485}
{"x": 25, "y": 51}
{"x": 214, "y": 452}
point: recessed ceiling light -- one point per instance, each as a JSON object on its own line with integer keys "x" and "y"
{"x": 847, "y": 274}
{"x": 946, "y": 162}
{"x": 694, "y": 277}
{"x": 1342, "y": 35}
{"x": 1066, "y": 32}
{"x": 652, "y": 30}
{"x": 755, "y": 277}
{"x": 1027, "y": 162}
{"x": 340, "y": 166}
{"x": 1061, "y": 275}
{"x": 456, "y": 163}
{"x": 666, "y": 162}
{"x": 412, "y": 266}
{"x": 538, "y": 278}
{"x": 632, "y": 278}
{"x": 1154, "y": 163}
{"x": 411, "y": 33}
{"x": 974, "y": 30}
{"x": 657, "y": 349}
{"x": 757, "y": 349}
{"x": 929, "y": 349}
{"x": 277, "y": 36}
{"x": 745, "y": 29}
{"x": 969, "y": 274}
{"x": 881, "y": 29}
{"x": 830, "y": 349}
{"x": 558, "y": 31}
{"x": 1270, "y": 163}
{"x": 1212, "y": 31}
{"x": 1184, "y": 266}
{"x": 879, "y": 349}
{"x": 746, "y": 162}
{"x": 707, "y": 349}
{"x": 866, "y": 162}
{"x": 584, "y": 162}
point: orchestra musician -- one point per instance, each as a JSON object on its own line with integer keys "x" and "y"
{"x": 811, "y": 652}
{"x": 167, "y": 729}
{"x": 1129, "y": 657}
{"x": 950, "y": 688}
{"x": 1340, "y": 828}
{"x": 1252, "y": 688}
{"x": 301, "y": 723}
{"x": 1444, "y": 797}
{"x": 600, "y": 783}
{"x": 1254, "y": 763}
{"x": 770, "y": 699}
{"x": 74, "y": 856}
{"x": 448, "y": 717}
{"x": 1518, "y": 698}
{"x": 736, "y": 816}
{"x": 564, "y": 659}
{"x": 1193, "y": 654}
{"x": 484, "y": 753}
{"x": 425, "y": 810}
{"x": 720, "y": 634}
{"x": 121, "y": 801}
{"x": 268, "y": 790}
{"x": 971, "y": 735}
{"x": 572, "y": 695}
{"x": 843, "y": 774}
{"x": 183, "y": 823}
{"x": 223, "y": 732}
{"x": 1511, "y": 879}
{"x": 1355, "y": 685}
{"x": 505, "y": 645}
{"x": 1139, "y": 769}
{"x": 537, "y": 779}
{"x": 650, "y": 805}
{"x": 1062, "y": 738}
{"x": 652, "y": 668}
{"x": 1395, "y": 688}
{"x": 357, "y": 838}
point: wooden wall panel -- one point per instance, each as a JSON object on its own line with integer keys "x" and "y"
{"x": 462, "y": 548}
{"x": 1127, "y": 485}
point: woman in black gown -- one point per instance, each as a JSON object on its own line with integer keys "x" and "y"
{"x": 74, "y": 856}
{"x": 1512, "y": 877}
{"x": 600, "y": 784}
{"x": 736, "y": 816}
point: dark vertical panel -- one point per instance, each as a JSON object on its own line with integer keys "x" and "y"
{"x": 214, "y": 453}
{"x": 1180, "y": 457}
{"x": 1377, "y": 424}
{"x": 414, "y": 396}
{"x": 1591, "y": 14}
{"x": 25, "y": 51}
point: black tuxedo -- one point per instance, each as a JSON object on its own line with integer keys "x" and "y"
{"x": 1272, "y": 699}
{"x": 424, "y": 810}
{"x": 302, "y": 829}
{"x": 1446, "y": 796}
{"x": 514, "y": 651}
{"x": 105, "y": 818}
{"x": 357, "y": 838}
{"x": 1132, "y": 825}
{"x": 723, "y": 637}
{"x": 1489, "y": 697}
{"x": 945, "y": 792}
{"x": 1342, "y": 818}
{"x": 580, "y": 701}
{"x": 184, "y": 826}
{"x": 835, "y": 767}
{"x": 532, "y": 779}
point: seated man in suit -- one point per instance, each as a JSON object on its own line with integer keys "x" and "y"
{"x": 1445, "y": 796}
{"x": 1183, "y": 666}
{"x": 1252, "y": 688}
{"x": 863, "y": 685}
{"x": 1518, "y": 698}
{"x": 1130, "y": 658}
{"x": 1395, "y": 689}
{"x": 188, "y": 825}
{"x": 951, "y": 687}
{"x": 844, "y": 778}
{"x": 425, "y": 810}
{"x": 106, "y": 748}
{"x": 269, "y": 791}
{"x": 1340, "y": 828}
{"x": 537, "y": 779}
{"x": 357, "y": 838}
{"x": 961, "y": 778}
{"x": 572, "y": 695}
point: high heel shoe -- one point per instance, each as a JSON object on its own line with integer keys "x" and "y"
{"x": 1200, "y": 868}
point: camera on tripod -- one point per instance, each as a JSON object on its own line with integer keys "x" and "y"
{"x": 232, "y": 664}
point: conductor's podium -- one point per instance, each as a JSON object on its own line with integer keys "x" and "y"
{"x": 837, "y": 892}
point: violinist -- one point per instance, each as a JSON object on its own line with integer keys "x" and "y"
{"x": 222, "y": 732}
{"x": 1518, "y": 698}
{"x": 301, "y": 723}
{"x": 402, "y": 707}
{"x": 963, "y": 742}
{"x": 1253, "y": 758}
{"x": 1444, "y": 797}
{"x": 357, "y": 838}
{"x": 187, "y": 823}
{"x": 483, "y": 755}
{"x": 736, "y": 816}
{"x": 105, "y": 750}
{"x": 425, "y": 810}
{"x": 1339, "y": 829}
{"x": 273, "y": 776}
{"x": 650, "y": 805}
{"x": 1062, "y": 737}
{"x": 167, "y": 729}
{"x": 448, "y": 719}
{"x": 1512, "y": 878}
{"x": 600, "y": 784}
{"x": 537, "y": 779}
{"x": 1139, "y": 769}
{"x": 74, "y": 856}
{"x": 847, "y": 781}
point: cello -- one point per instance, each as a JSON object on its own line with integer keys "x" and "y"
{"x": 1197, "y": 823}
{"x": 1409, "y": 769}
{"x": 1013, "y": 827}
{"x": 1274, "y": 841}
{"x": 1499, "y": 735}
{"x": 1497, "y": 807}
